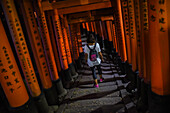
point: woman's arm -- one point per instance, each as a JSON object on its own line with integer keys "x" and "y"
{"x": 101, "y": 56}
{"x": 86, "y": 56}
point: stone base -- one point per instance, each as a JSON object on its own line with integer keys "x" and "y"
{"x": 29, "y": 107}
{"x": 159, "y": 103}
{"x": 51, "y": 96}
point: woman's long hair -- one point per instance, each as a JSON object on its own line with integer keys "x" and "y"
{"x": 91, "y": 38}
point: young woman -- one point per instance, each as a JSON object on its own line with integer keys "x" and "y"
{"x": 93, "y": 60}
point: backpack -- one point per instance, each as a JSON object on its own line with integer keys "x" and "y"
{"x": 93, "y": 53}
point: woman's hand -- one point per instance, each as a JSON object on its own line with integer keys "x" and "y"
{"x": 102, "y": 60}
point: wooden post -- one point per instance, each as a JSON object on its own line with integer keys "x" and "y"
{"x": 92, "y": 27}
{"x": 69, "y": 37}
{"x": 53, "y": 40}
{"x": 133, "y": 34}
{"x": 21, "y": 46}
{"x": 44, "y": 32}
{"x": 79, "y": 39}
{"x": 145, "y": 40}
{"x": 127, "y": 31}
{"x": 110, "y": 38}
{"x": 88, "y": 29}
{"x": 67, "y": 47}
{"x": 159, "y": 54}
{"x": 23, "y": 55}
{"x": 74, "y": 37}
{"x": 11, "y": 80}
{"x": 114, "y": 38}
{"x": 95, "y": 29}
{"x": 59, "y": 38}
{"x": 122, "y": 36}
{"x": 38, "y": 51}
{"x": 144, "y": 52}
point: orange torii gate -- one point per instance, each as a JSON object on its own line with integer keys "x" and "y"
{"x": 79, "y": 39}
{"x": 74, "y": 37}
{"x": 23, "y": 55}
{"x": 120, "y": 37}
{"x": 53, "y": 40}
{"x": 104, "y": 33}
{"x": 11, "y": 80}
{"x": 132, "y": 29}
{"x": 87, "y": 27}
{"x": 38, "y": 51}
{"x": 144, "y": 51}
{"x": 44, "y": 32}
{"x": 110, "y": 37}
{"x": 159, "y": 48}
{"x": 127, "y": 32}
{"x": 69, "y": 37}
{"x": 67, "y": 47}
{"x": 60, "y": 40}
{"x": 114, "y": 38}
{"x": 92, "y": 27}
{"x": 99, "y": 33}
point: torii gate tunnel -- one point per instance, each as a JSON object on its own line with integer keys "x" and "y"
{"x": 42, "y": 50}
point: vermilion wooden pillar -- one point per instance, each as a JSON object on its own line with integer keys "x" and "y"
{"x": 144, "y": 52}
{"x": 109, "y": 32}
{"x": 67, "y": 47}
{"x": 133, "y": 34}
{"x": 21, "y": 47}
{"x": 114, "y": 38}
{"x": 113, "y": 35}
{"x": 110, "y": 38}
{"x": 74, "y": 37}
{"x": 79, "y": 39}
{"x": 92, "y": 27}
{"x": 117, "y": 31}
{"x": 53, "y": 40}
{"x": 44, "y": 32}
{"x": 138, "y": 37}
{"x": 59, "y": 38}
{"x": 99, "y": 34}
{"x": 121, "y": 31}
{"x": 11, "y": 80}
{"x": 87, "y": 27}
{"x": 38, "y": 51}
{"x": 84, "y": 27}
{"x": 83, "y": 24}
{"x": 98, "y": 28}
{"x": 23, "y": 54}
{"x": 106, "y": 40}
{"x": 104, "y": 30}
{"x": 95, "y": 29}
{"x": 145, "y": 40}
{"x": 126, "y": 30}
{"x": 159, "y": 45}
{"x": 69, "y": 37}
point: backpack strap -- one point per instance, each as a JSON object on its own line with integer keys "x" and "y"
{"x": 94, "y": 46}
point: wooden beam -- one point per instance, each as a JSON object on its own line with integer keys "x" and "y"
{"x": 103, "y": 12}
{"x": 93, "y": 18}
{"x": 68, "y": 3}
{"x": 108, "y": 11}
{"x": 78, "y": 15}
{"x": 84, "y": 8}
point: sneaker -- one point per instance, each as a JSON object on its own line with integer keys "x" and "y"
{"x": 102, "y": 79}
{"x": 96, "y": 85}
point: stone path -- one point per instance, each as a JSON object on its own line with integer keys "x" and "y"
{"x": 110, "y": 97}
